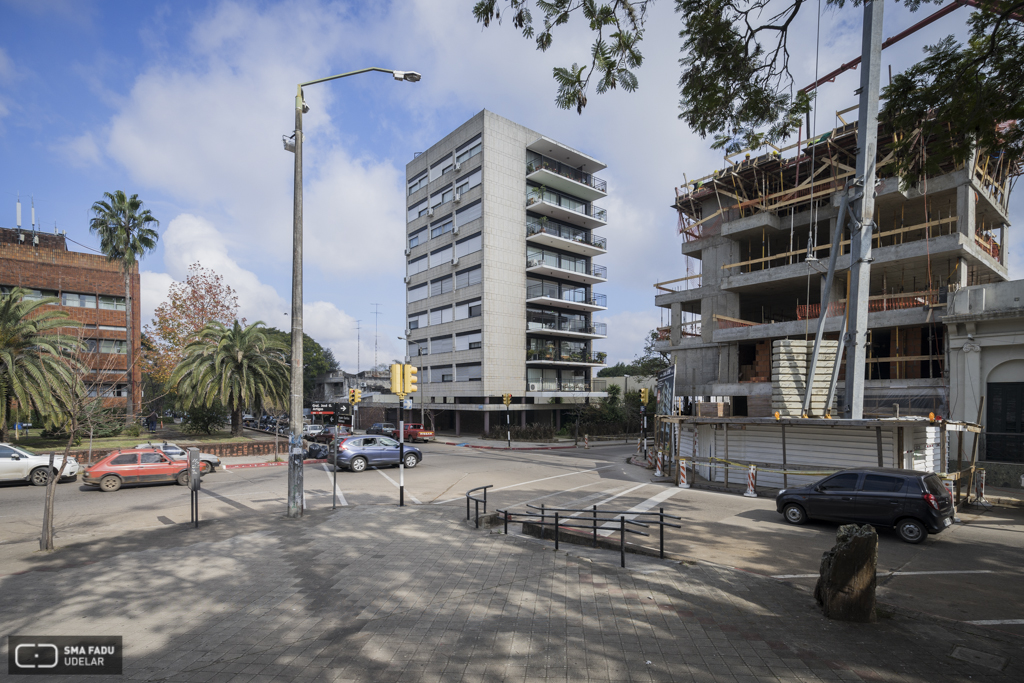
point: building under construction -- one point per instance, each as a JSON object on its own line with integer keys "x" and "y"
{"x": 756, "y": 239}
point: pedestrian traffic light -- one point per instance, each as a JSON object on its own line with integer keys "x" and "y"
{"x": 644, "y": 395}
{"x": 409, "y": 378}
{"x": 396, "y": 378}
{"x": 507, "y": 398}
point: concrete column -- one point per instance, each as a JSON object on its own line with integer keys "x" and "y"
{"x": 974, "y": 383}
{"x": 458, "y": 423}
{"x": 522, "y": 419}
{"x": 676, "y": 334}
{"x": 487, "y": 422}
{"x": 965, "y": 210}
{"x": 960, "y": 276}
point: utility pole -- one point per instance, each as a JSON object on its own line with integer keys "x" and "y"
{"x": 295, "y": 487}
{"x": 864, "y": 209}
{"x": 358, "y": 342}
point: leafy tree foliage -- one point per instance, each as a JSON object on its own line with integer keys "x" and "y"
{"x": 239, "y": 367}
{"x": 648, "y": 365}
{"x": 37, "y": 358}
{"x": 203, "y": 297}
{"x": 316, "y": 360}
{"x": 126, "y": 233}
{"x": 204, "y": 419}
{"x": 735, "y": 83}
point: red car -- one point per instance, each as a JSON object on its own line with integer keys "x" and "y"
{"x": 135, "y": 466}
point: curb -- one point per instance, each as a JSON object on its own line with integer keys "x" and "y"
{"x": 504, "y": 448}
{"x": 245, "y": 465}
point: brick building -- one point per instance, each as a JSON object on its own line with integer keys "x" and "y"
{"x": 91, "y": 291}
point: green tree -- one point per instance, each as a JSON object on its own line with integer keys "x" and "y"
{"x": 316, "y": 360}
{"x": 241, "y": 367}
{"x": 37, "y": 363}
{"x": 126, "y": 235}
{"x": 735, "y": 83}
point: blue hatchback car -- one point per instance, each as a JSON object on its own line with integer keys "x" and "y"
{"x": 359, "y": 452}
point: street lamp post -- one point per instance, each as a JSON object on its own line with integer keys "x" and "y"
{"x": 295, "y": 503}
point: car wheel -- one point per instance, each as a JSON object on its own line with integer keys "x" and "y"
{"x": 794, "y": 514}
{"x": 358, "y": 464}
{"x": 110, "y": 483}
{"x": 40, "y": 476}
{"x": 182, "y": 479}
{"x": 205, "y": 467}
{"x": 411, "y": 461}
{"x": 911, "y": 530}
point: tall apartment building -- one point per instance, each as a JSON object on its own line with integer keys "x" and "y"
{"x": 500, "y": 275}
{"x": 91, "y": 291}
{"x": 757, "y": 239}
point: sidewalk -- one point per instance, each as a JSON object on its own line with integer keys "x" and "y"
{"x": 387, "y": 594}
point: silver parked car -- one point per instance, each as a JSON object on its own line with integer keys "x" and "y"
{"x": 19, "y": 464}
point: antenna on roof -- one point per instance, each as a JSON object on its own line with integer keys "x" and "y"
{"x": 19, "y": 211}
{"x": 33, "y": 214}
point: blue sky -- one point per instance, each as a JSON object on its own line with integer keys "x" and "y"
{"x": 185, "y": 104}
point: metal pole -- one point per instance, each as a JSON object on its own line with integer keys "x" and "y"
{"x": 622, "y": 541}
{"x": 295, "y": 409}
{"x": 595, "y": 526}
{"x": 860, "y": 239}
{"x": 661, "y": 533}
{"x": 334, "y": 493}
{"x": 508, "y": 424}
{"x": 556, "y": 530}
{"x": 401, "y": 449}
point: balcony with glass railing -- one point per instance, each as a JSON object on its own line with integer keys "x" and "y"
{"x": 563, "y": 207}
{"x": 566, "y": 387}
{"x": 548, "y": 294}
{"x": 544, "y": 231}
{"x": 554, "y": 357}
{"x": 549, "y": 172}
{"x": 551, "y": 265}
{"x": 551, "y": 324}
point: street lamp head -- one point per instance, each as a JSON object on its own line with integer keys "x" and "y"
{"x": 289, "y": 145}
{"x": 410, "y": 76}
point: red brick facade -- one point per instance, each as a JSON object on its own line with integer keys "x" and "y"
{"x": 49, "y": 265}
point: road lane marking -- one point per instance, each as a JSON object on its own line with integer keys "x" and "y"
{"x": 609, "y": 528}
{"x": 558, "y": 493}
{"x": 341, "y": 496}
{"x": 533, "y": 481}
{"x": 411, "y": 497}
{"x": 949, "y": 571}
{"x": 611, "y": 498}
{"x": 997, "y": 622}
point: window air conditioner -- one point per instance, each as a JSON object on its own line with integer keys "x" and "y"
{"x": 408, "y": 251}
{"x": 430, "y": 211}
{"x": 458, "y": 167}
{"x": 455, "y": 261}
{"x": 407, "y": 279}
{"x": 458, "y": 197}
{"x": 534, "y": 387}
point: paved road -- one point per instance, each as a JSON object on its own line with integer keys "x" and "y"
{"x": 981, "y": 560}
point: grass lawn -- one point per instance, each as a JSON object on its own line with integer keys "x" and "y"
{"x": 170, "y": 432}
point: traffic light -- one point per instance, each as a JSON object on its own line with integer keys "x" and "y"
{"x": 355, "y": 396}
{"x": 396, "y": 378}
{"x": 644, "y": 395}
{"x": 507, "y": 398}
{"x": 409, "y": 378}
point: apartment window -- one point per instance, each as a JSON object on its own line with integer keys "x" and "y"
{"x": 469, "y": 245}
{"x": 441, "y": 167}
{"x": 442, "y": 373}
{"x": 418, "y": 293}
{"x": 470, "y": 213}
{"x": 114, "y": 328}
{"x": 441, "y": 285}
{"x": 468, "y": 309}
{"x": 441, "y": 227}
{"x": 78, "y": 300}
{"x": 441, "y": 197}
{"x": 468, "y": 182}
{"x": 37, "y": 294}
{"x": 417, "y": 320}
{"x": 418, "y": 348}
{"x": 417, "y": 265}
{"x": 418, "y": 183}
{"x": 91, "y": 345}
{"x": 112, "y": 303}
{"x": 417, "y": 210}
{"x": 469, "y": 150}
{"x": 470, "y": 276}
{"x": 467, "y": 341}
{"x": 441, "y": 315}
{"x": 441, "y": 344}
{"x": 440, "y": 256}
{"x": 469, "y": 372}
{"x": 418, "y": 237}
{"x": 113, "y": 346}
{"x": 538, "y": 288}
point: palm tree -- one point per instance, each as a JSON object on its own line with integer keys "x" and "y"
{"x": 242, "y": 367}
{"x": 125, "y": 236}
{"x": 37, "y": 366}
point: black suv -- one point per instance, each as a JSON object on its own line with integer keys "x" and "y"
{"x": 383, "y": 428}
{"x": 914, "y": 503}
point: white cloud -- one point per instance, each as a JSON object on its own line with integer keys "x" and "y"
{"x": 80, "y": 152}
{"x": 154, "y": 288}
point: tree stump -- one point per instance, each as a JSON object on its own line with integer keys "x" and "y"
{"x": 846, "y": 585}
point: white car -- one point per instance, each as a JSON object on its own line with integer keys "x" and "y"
{"x": 208, "y": 463}
{"x": 18, "y": 464}
{"x": 309, "y": 431}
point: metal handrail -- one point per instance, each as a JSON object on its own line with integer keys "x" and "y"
{"x": 469, "y": 497}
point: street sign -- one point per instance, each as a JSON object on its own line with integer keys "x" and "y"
{"x": 407, "y": 404}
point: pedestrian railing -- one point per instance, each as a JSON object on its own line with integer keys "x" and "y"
{"x": 596, "y": 519}
{"x": 477, "y": 501}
